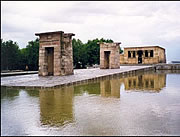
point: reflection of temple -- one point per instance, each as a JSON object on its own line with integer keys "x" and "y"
{"x": 150, "y": 82}
{"x": 110, "y": 88}
{"x": 56, "y": 106}
{"x": 106, "y": 88}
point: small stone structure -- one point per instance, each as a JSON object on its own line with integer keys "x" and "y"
{"x": 55, "y": 53}
{"x": 109, "y": 55}
{"x": 143, "y": 55}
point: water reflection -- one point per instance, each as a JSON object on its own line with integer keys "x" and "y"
{"x": 85, "y": 109}
{"x": 9, "y": 93}
{"x": 56, "y": 106}
{"x": 105, "y": 88}
{"x": 110, "y": 88}
{"x": 90, "y": 88}
{"x": 32, "y": 92}
{"x": 145, "y": 82}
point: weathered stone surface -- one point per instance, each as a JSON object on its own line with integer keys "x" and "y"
{"x": 55, "y": 53}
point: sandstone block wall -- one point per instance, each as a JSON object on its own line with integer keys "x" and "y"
{"x": 55, "y": 53}
{"x": 109, "y": 55}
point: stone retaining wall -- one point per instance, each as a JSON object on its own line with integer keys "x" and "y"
{"x": 167, "y": 67}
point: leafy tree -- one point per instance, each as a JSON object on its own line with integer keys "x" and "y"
{"x": 10, "y": 55}
{"x": 24, "y": 59}
{"x": 77, "y": 49}
{"x": 30, "y": 55}
{"x": 13, "y": 58}
{"x": 120, "y": 50}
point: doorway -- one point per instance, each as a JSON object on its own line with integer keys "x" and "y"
{"x": 106, "y": 59}
{"x": 50, "y": 60}
{"x": 140, "y": 53}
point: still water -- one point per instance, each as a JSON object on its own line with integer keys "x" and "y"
{"x": 143, "y": 104}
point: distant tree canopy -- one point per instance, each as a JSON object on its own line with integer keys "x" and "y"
{"x": 30, "y": 55}
{"x": 13, "y": 58}
{"x": 10, "y": 55}
{"x": 120, "y": 50}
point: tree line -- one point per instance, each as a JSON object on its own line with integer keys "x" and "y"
{"x": 14, "y": 58}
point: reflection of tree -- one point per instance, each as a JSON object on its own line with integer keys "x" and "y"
{"x": 9, "y": 93}
{"x": 90, "y": 88}
{"x": 56, "y": 106}
{"x": 148, "y": 82}
{"x": 33, "y": 92}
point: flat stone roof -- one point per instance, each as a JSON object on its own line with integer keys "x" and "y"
{"x": 57, "y": 32}
{"x": 37, "y": 34}
{"x": 108, "y": 43}
{"x": 144, "y": 47}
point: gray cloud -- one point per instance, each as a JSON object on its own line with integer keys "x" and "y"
{"x": 132, "y": 23}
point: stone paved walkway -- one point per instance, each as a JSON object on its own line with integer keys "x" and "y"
{"x": 33, "y": 80}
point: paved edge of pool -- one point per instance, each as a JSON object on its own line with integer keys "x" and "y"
{"x": 96, "y": 78}
{"x": 105, "y": 76}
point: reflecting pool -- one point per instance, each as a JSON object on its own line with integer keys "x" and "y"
{"x": 147, "y": 103}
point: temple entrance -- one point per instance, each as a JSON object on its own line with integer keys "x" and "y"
{"x": 50, "y": 60}
{"x": 140, "y": 53}
{"x": 106, "y": 59}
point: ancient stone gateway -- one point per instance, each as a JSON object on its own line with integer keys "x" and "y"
{"x": 143, "y": 55}
{"x": 55, "y": 53}
{"x": 109, "y": 55}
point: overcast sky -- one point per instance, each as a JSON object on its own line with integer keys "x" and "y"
{"x": 131, "y": 23}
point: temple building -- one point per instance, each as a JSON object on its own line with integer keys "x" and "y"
{"x": 109, "y": 55}
{"x": 55, "y": 53}
{"x": 143, "y": 55}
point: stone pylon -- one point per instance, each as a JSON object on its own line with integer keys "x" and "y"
{"x": 109, "y": 55}
{"x": 55, "y": 53}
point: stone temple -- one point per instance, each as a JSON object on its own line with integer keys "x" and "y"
{"x": 55, "y": 53}
{"x": 109, "y": 55}
{"x": 143, "y": 55}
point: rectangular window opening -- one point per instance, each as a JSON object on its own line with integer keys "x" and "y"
{"x": 134, "y": 54}
{"x": 146, "y": 53}
{"x": 129, "y": 54}
{"x": 151, "y": 53}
